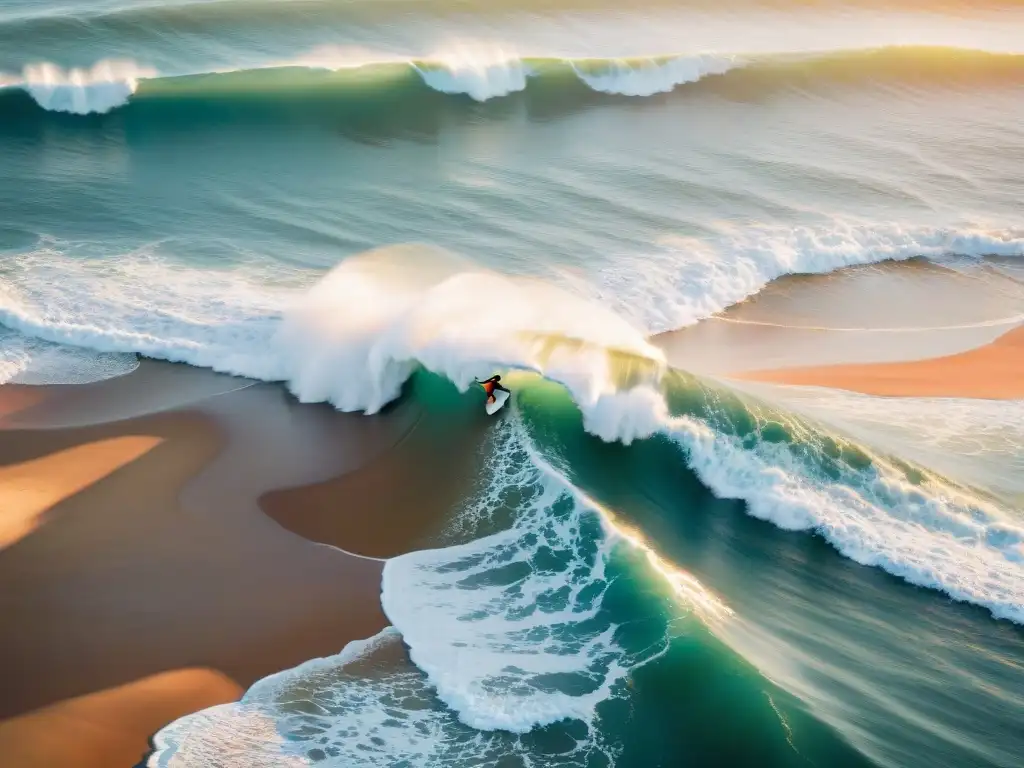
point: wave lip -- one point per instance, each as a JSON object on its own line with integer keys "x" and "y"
{"x": 482, "y": 73}
{"x": 364, "y": 328}
{"x": 929, "y": 534}
{"x": 646, "y": 77}
{"x": 81, "y": 91}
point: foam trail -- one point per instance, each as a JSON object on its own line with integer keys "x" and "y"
{"x": 24, "y": 360}
{"x": 646, "y": 77}
{"x": 496, "y": 622}
{"x": 691, "y": 278}
{"x": 104, "y": 86}
{"x": 508, "y": 632}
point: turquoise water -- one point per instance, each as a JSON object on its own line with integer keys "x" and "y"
{"x": 654, "y": 569}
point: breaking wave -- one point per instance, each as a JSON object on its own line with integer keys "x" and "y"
{"x": 688, "y": 278}
{"x": 353, "y": 337}
{"x": 80, "y": 91}
{"x": 517, "y": 631}
{"x": 356, "y": 336}
{"x": 509, "y": 632}
{"x": 483, "y": 73}
{"x": 515, "y": 641}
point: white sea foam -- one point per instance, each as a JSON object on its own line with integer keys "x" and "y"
{"x": 104, "y": 86}
{"x": 930, "y": 534}
{"x": 25, "y": 360}
{"x": 149, "y": 305}
{"x": 509, "y": 628}
{"x": 253, "y": 732}
{"x": 975, "y": 441}
{"x": 355, "y": 335}
{"x": 688, "y": 279}
{"x": 481, "y": 72}
{"x": 359, "y": 332}
{"x": 646, "y": 77}
{"x": 508, "y": 632}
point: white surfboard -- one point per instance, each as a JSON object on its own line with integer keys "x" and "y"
{"x": 499, "y": 400}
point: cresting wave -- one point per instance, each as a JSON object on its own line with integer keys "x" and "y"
{"x": 514, "y": 631}
{"x": 359, "y": 333}
{"x": 387, "y": 311}
{"x": 488, "y": 72}
{"x": 81, "y": 91}
{"x": 509, "y": 632}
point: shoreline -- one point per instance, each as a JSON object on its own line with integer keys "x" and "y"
{"x": 144, "y": 577}
{"x": 173, "y": 535}
{"x": 993, "y": 371}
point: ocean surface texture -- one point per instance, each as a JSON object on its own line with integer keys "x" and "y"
{"x": 374, "y": 199}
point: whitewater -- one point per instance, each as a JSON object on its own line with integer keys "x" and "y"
{"x": 487, "y": 70}
{"x": 368, "y": 206}
{"x": 355, "y": 335}
{"x": 509, "y": 632}
{"x": 481, "y": 75}
{"x": 513, "y": 655}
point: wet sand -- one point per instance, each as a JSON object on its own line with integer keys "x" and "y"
{"x": 139, "y": 578}
{"x": 994, "y": 371}
{"x": 103, "y": 729}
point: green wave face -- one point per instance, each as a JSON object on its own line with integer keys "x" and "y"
{"x": 389, "y": 90}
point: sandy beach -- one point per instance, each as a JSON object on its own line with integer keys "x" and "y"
{"x": 143, "y": 577}
{"x": 993, "y": 371}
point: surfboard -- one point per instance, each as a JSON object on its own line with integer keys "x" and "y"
{"x": 499, "y": 400}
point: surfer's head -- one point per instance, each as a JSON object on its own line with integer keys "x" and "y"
{"x": 497, "y": 378}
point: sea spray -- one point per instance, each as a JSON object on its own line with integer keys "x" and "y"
{"x": 482, "y": 72}
{"x": 646, "y": 77}
{"x": 361, "y": 331}
{"x": 97, "y": 89}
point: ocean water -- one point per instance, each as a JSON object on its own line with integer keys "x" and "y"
{"x": 373, "y": 200}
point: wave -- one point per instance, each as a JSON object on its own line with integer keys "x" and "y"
{"x": 521, "y": 631}
{"x": 486, "y": 73}
{"x": 24, "y": 360}
{"x": 928, "y": 533}
{"x": 97, "y": 89}
{"x": 352, "y": 337}
{"x": 512, "y": 631}
{"x": 356, "y": 336}
{"x": 688, "y": 279}
{"x": 480, "y": 74}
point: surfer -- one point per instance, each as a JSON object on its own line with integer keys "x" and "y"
{"x": 490, "y": 385}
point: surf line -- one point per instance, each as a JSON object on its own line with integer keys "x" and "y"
{"x": 982, "y": 324}
{"x": 685, "y": 587}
